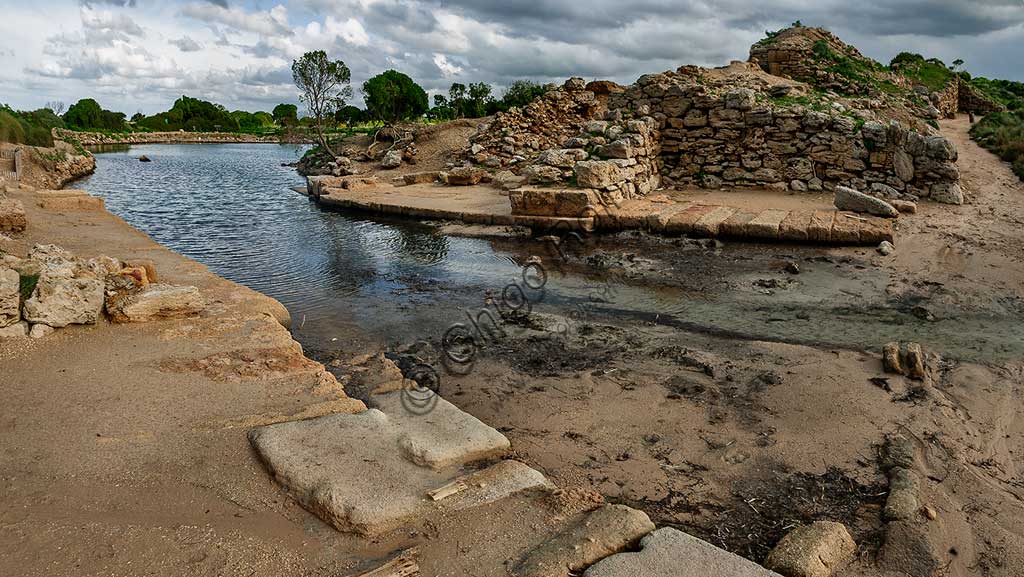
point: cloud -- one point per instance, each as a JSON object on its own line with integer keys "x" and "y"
{"x": 238, "y": 52}
{"x": 273, "y": 21}
{"x": 186, "y": 44}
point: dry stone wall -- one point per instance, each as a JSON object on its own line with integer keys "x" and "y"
{"x": 716, "y": 137}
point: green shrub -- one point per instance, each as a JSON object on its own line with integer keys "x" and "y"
{"x": 1003, "y": 134}
{"x": 27, "y": 285}
{"x": 11, "y": 129}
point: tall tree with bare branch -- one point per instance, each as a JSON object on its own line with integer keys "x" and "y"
{"x": 325, "y": 86}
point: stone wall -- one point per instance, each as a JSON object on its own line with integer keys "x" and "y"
{"x": 972, "y": 100}
{"x": 740, "y": 137}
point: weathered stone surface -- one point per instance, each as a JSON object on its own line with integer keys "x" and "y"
{"x": 904, "y": 206}
{"x": 10, "y": 297}
{"x": 820, "y": 227}
{"x": 736, "y": 225}
{"x": 18, "y": 330}
{"x": 12, "y": 215}
{"x": 421, "y": 177}
{"x": 796, "y": 226}
{"x": 598, "y": 173}
{"x": 903, "y": 164}
{"x": 155, "y": 301}
{"x": 684, "y": 221}
{"x": 885, "y": 248}
{"x": 443, "y": 437}
{"x": 464, "y": 176}
{"x": 349, "y": 470}
{"x": 815, "y": 550}
{"x": 852, "y": 200}
{"x": 915, "y": 361}
{"x": 668, "y": 552}
{"x": 552, "y": 202}
{"x": 562, "y": 158}
{"x": 767, "y": 224}
{"x": 902, "y": 503}
{"x": 947, "y": 193}
{"x": 59, "y": 301}
{"x": 603, "y": 532}
{"x": 892, "y": 360}
{"x": 710, "y": 224}
{"x": 68, "y": 199}
{"x": 846, "y": 229}
{"x": 40, "y": 331}
{"x": 392, "y": 159}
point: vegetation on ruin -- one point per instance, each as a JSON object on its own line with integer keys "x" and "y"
{"x": 1006, "y": 92}
{"x": 931, "y": 73}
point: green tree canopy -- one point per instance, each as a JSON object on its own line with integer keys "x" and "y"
{"x": 324, "y": 84}
{"x": 520, "y": 93}
{"x": 392, "y": 96}
{"x": 85, "y": 114}
{"x": 285, "y": 114}
{"x": 350, "y": 115}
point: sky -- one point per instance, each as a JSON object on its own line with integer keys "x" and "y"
{"x": 140, "y": 55}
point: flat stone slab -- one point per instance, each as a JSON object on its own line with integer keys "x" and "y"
{"x": 605, "y": 531}
{"x": 671, "y": 553}
{"x": 360, "y": 473}
{"x": 443, "y": 437}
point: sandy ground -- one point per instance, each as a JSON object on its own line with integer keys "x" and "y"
{"x": 124, "y": 449}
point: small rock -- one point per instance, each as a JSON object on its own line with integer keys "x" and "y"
{"x": 464, "y": 176}
{"x": 815, "y": 550}
{"x": 930, "y": 512}
{"x": 792, "y": 267}
{"x": 886, "y": 248}
{"x": 852, "y": 200}
{"x": 902, "y": 501}
{"x": 144, "y": 158}
{"x": 10, "y": 297}
{"x": 392, "y": 159}
{"x": 39, "y": 331}
{"x": 16, "y": 331}
{"x": 915, "y": 361}
{"x": 892, "y": 359}
{"x": 904, "y": 206}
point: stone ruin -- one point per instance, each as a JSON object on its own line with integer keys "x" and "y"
{"x": 732, "y": 127}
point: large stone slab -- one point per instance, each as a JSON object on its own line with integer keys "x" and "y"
{"x": 607, "y": 530}
{"x": 671, "y": 553}
{"x": 155, "y": 301}
{"x": 358, "y": 472}
{"x": 815, "y": 550}
{"x": 767, "y": 224}
{"x": 852, "y": 200}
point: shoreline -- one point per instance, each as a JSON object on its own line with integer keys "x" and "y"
{"x": 100, "y": 139}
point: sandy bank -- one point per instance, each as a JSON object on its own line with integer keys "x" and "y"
{"x": 131, "y": 438}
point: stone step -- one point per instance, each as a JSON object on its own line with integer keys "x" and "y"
{"x": 671, "y": 553}
{"x": 373, "y": 472}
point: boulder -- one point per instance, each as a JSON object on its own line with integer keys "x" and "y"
{"x": 598, "y": 173}
{"x": 59, "y": 300}
{"x": 562, "y": 158}
{"x": 10, "y": 297}
{"x": 155, "y": 301}
{"x": 915, "y": 361}
{"x": 852, "y": 200}
{"x": 392, "y": 159}
{"x": 12, "y": 216}
{"x": 947, "y": 193}
{"x": 464, "y": 176}
{"x": 886, "y": 248}
{"x": 904, "y": 165}
{"x": 815, "y": 550}
{"x": 892, "y": 359}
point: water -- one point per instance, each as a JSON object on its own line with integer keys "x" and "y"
{"x": 230, "y": 207}
{"x": 352, "y": 282}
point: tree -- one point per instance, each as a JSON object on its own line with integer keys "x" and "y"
{"x": 325, "y": 86}
{"x": 479, "y": 100}
{"x": 84, "y": 115}
{"x": 956, "y": 64}
{"x": 57, "y": 107}
{"x": 285, "y": 114}
{"x": 350, "y": 115}
{"x": 520, "y": 93}
{"x": 393, "y": 96}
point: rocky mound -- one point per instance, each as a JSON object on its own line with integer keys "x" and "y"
{"x": 515, "y": 137}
